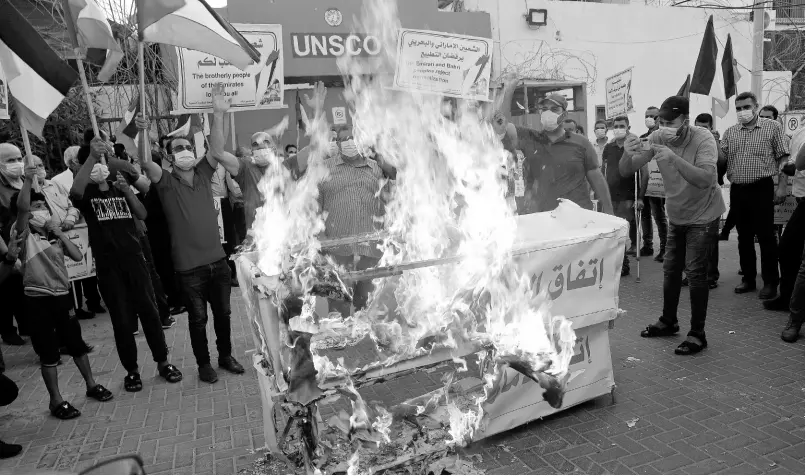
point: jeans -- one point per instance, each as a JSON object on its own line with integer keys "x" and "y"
{"x": 87, "y": 288}
{"x": 361, "y": 289}
{"x": 688, "y": 247}
{"x": 654, "y": 207}
{"x": 210, "y": 283}
{"x": 125, "y": 283}
{"x": 156, "y": 282}
{"x": 13, "y": 306}
{"x": 755, "y": 214}
{"x": 229, "y": 232}
{"x": 791, "y": 246}
{"x": 796, "y": 302}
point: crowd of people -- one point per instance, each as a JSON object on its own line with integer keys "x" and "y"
{"x": 153, "y": 226}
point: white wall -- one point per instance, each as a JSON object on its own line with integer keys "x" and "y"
{"x": 585, "y": 40}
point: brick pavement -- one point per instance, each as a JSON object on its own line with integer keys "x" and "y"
{"x": 736, "y": 408}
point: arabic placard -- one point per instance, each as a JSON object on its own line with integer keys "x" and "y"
{"x": 655, "y": 186}
{"x": 260, "y": 86}
{"x": 86, "y": 267}
{"x": 451, "y": 65}
{"x": 4, "y": 107}
{"x": 618, "y": 94}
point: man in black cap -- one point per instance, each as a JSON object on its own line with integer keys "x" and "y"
{"x": 686, "y": 156}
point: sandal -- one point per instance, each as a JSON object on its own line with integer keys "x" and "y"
{"x": 99, "y": 393}
{"x": 690, "y": 348}
{"x": 132, "y": 383}
{"x": 170, "y": 373}
{"x": 655, "y": 330}
{"x": 65, "y": 411}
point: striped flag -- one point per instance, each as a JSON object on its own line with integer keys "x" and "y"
{"x": 127, "y": 126}
{"x": 189, "y": 124}
{"x": 37, "y": 77}
{"x": 91, "y": 28}
{"x": 730, "y": 70}
{"x": 685, "y": 89}
{"x": 705, "y": 69}
{"x": 193, "y": 24}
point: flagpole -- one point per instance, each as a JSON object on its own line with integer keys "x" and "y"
{"x": 26, "y": 142}
{"x": 141, "y": 66}
{"x": 637, "y": 214}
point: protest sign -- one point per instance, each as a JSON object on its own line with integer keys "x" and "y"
{"x": 618, "y": 96}
{"x": 451, "y": 65}
{"x": 4, "y": 107}
{"x": 655, "y": 186}
{"x": 217, "y": 203}
{"x": 86, "y": 267}
{"x": 784, "y": 211}
{"x": 260, "y": 86}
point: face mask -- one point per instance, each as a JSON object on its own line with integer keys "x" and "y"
{"x": 99, "y": 173}
{"x": 502, "y": 135}
{"x": 600, "y": 133}
{"x": 548, "y": 119}
{"x": 332, "y": 149}
{"x": 349, "y": 149}
{"x": 650, "y": 122}
{"x": 13, "y": 170}
{"x": 39, "y": 218}
{"x": 667, "y": 134}
{"x": 620, "y": 133}
{"x": 262, "y": 157}
{"x": 184, "y": 160}
{"x": 41, "y": 173}
{"x": 745, "y": 116}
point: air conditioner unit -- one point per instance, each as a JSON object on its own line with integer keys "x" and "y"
{"x": 769, "y": 19}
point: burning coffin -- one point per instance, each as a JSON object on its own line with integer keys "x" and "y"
{"x": 355, "y": 395}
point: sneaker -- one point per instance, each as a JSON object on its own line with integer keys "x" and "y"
{"x": 83, "y": 315}
{"x": 230, "y": 364}
{"x": 168, "y": 322}
{"x": 207, "y": 374}
{"x": 792, "y": 330}
{"x": 8, "y": 450}
{"x": 96, "y": 308}
{"x": 646, "y": 251}
{"x": 13, "y": 339}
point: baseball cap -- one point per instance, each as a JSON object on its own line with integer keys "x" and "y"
{"x": 556, "y": 99}
{"x": 673, "y": 107}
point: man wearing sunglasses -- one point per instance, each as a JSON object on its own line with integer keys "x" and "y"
{"x": 653, "y": 206}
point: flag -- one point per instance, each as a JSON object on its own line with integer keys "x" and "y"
{"x": 720, "y": 107}
{"x": 37, "y": 78}
{"x": 730, "y": 70}
{"x": 88, "y": 23}
{"x": 685, "y": 89}
{"x": 127, "y": 126}
{"x": 188, "y": 124}
{"x": 705, "y": 69}
{"x": 193, "y": 24}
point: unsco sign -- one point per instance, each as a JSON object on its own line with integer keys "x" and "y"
{"x": 333, "y": 45}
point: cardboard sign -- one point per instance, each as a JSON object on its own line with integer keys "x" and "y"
{"x": 655, "y": 186}
{"x": 260, "y": 86}
{"x": 618, "y": 95}
{"x": 85, "y": 268}
{"x": 451, "y": 65}
{"x": 339, "y": 115}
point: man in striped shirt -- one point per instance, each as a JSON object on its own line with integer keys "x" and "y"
{"x": 754, "y": 151}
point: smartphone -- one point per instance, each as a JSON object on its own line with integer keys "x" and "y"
{"x": 645, "y": 144}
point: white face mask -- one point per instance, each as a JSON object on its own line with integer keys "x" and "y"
{"x": 99, "y": 173}
{"x": 263, "y": 157}
{"x": 184, "y": 160}
{"x": 745, "y": 115}
{"x": 620, "y": 133}
{"x": 348, "y": 148}
{"x": 548, "y": 119}
{"x": 650, "y": 122}
{"x": 13, "y": 170}
{"x": 41, "y": 173}
{"x": 600, "y": 133}
{"x": 502, "y": 135}
{"x": 667, "y": 134}
{"x": 39, "y": 218}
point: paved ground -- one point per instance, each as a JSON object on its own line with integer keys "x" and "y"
{"x": 736, "y": 408}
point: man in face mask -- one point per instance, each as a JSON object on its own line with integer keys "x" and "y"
{"x": 600, "y": 138}
{"x": 653, "y": 206}
{"x": 11, "y": 291}
{"x": 572, "y": 164}
{"x": 754, "y": 151}
{"x": 686, "y": 157}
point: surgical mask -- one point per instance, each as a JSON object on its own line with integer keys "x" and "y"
{"x": 348, "y": 148}
{"x": 262, "y": 157}
{"x": 600, "y": 133}
{"x": 502, "y": 135}
{"x": 39, "y": 218}
{"x": 13, "y": 170}
{"x": 620, "y": 133}
{"x": 548, "y": 119}
{"x": 333, "y": 149}
{"x": 41, "y": 173}
{"x": 650, "y": 122}
{"x": 99, "y": 173}
{"x": 745, "y": 115}
{"x": 184, "y": 160}
{"x": 667, "y": 134}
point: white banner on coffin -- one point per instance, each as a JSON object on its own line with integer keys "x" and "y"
{"x": 260, "y": 86}
{"x": 86, "y": 267}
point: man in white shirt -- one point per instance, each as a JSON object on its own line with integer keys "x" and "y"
{"x": 65, "y": 179}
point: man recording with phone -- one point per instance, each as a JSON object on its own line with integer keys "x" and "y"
{"x": 686, "y": 156}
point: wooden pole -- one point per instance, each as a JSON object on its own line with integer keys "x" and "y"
{"x": 141, "y": 66}
{"x": 29, "y": 158}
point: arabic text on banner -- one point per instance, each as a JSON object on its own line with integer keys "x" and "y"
{"x": 451, "y": 65}
{"x": 4, "y": 106}
{"x": 86, "y": 267}
{"x": 260, "y": 86}
{"x": 618, "y": 94}
{"x": 655, "y": 186}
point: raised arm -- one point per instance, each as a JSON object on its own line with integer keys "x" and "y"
{"x": 152, "y": 170}
{"x": 217, "y": 154}
{"x": 82, "y": 178}
{"x": 69, "y": 247}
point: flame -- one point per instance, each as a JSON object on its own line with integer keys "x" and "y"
{"x": 352, "y": 467}
{"x": 383, "y": 423}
